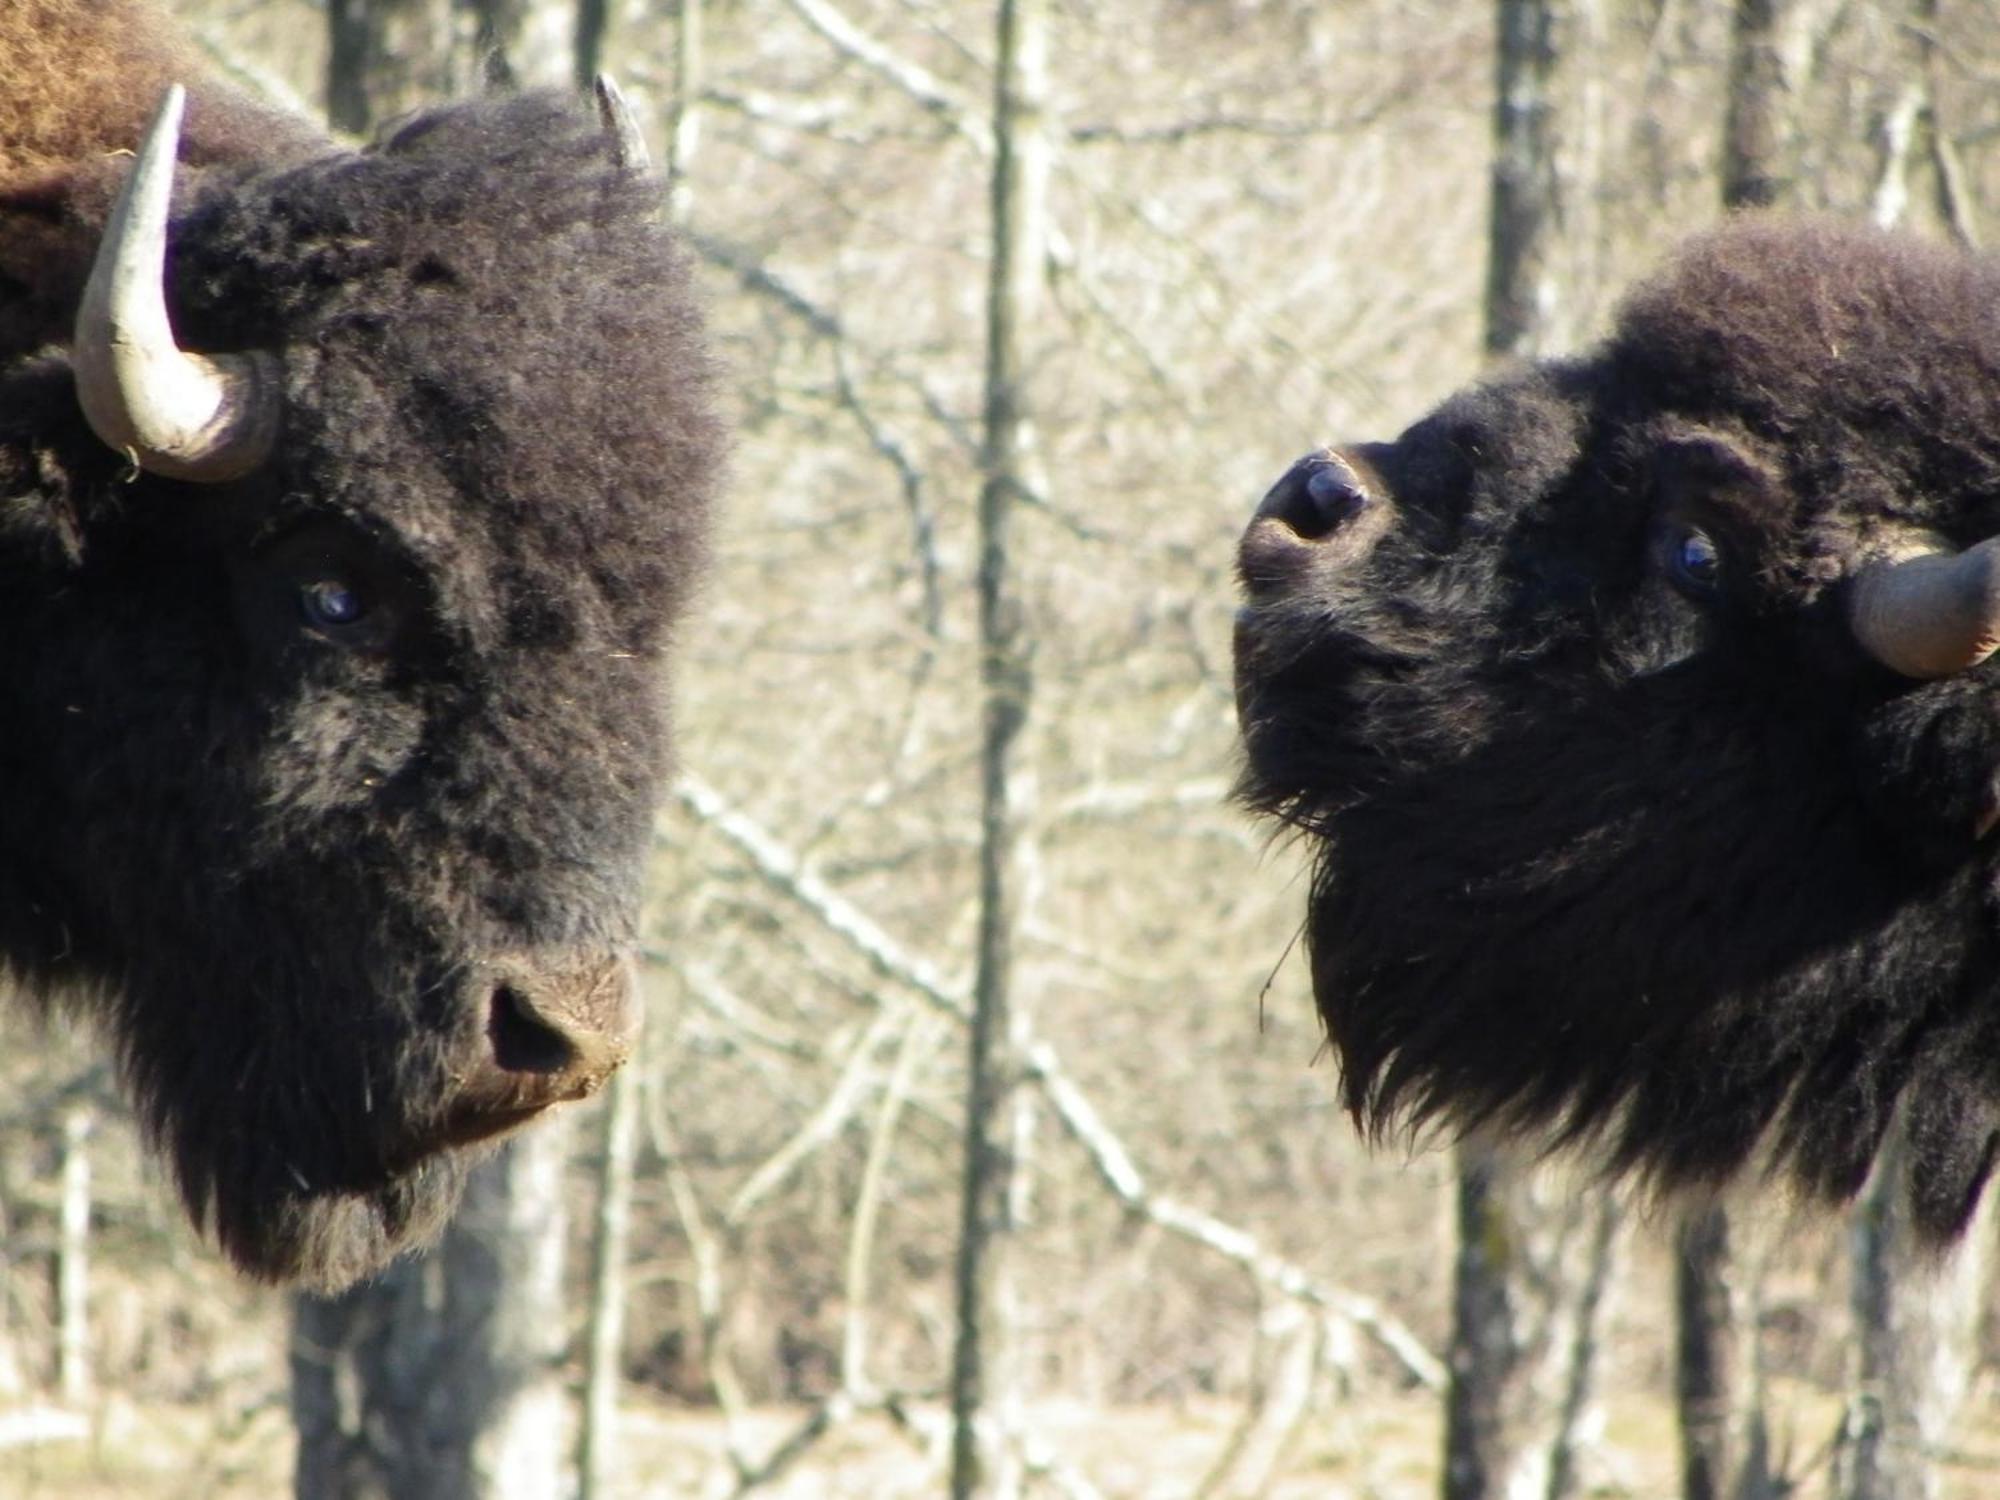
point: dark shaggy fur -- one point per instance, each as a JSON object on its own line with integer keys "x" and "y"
{"x": 279, "y": 860}
{"x": 1620, "y": 851}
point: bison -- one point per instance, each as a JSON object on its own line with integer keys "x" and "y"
{"x": 347, "y": 501}
{"x": 1640, "y": 709}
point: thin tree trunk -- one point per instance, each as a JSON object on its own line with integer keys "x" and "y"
{"x": 982, "y": 1463}
{"x": 1725, "y": 1451}
{"x": 73, "y": 1266}
{"x": 1529, "y": 190}
{"x": 433, "y": 1381}
{"x": 684, "y": 129}
{"x": 1485, "y": 1353}
{"x": 11, "y": 1382}
{"x": 1916, "y": 1320}
{"x": 597, "y": 1450}
{"x": 1526, "y": 1278}
{"x": 1532, "y": 1271}
{"x": 1718, "y": 1399}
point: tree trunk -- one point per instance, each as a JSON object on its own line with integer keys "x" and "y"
{"x": 982, "y": 1462}
{"x": 597, "y": 1447}
{"x": 1916, "y": 1323}
{"x": 1528, "y": 1282}
{"x": 1717, "y": 1390}
{"x": 73, "y": 1265}
{"x": 1530, "y": 190}
{"x": 1528, "y": 1275}
{"x": 684, "y": 127}
{"x": 1719, "y": 1400}
{"x": 1770, "y": 68}
{"x": 387, "y": 57}
{"x": 436, "y": 1381}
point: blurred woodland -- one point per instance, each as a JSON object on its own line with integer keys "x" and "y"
{"x": 1022, "y": 305}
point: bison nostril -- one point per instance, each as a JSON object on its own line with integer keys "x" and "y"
{"x": 1335, "y": 495}
{"x": 522, "y": 1041}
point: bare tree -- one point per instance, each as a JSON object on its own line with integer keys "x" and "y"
{"x": 1528, "y": 1276}
{"x": 73, "y": 1264}
{"x": 982, "y": 1463}
{"x": 1917, "y": 1317}
{"x": 1717, "y": 1392}
{"x": 597, "y": 1444}
{"x": 438, "y": 1380}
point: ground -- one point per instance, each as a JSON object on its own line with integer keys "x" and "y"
{"x": 1363, "y": 1449}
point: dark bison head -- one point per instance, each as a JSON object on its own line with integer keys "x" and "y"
{"x": 1640, "y": 711}
{"x": 331, "y": 743}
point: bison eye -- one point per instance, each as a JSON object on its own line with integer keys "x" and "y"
{"x": 332, "y": 603}
{"x": 1694, "y": 563}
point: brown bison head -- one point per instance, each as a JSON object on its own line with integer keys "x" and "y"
{"x": 335, "y": 595}
{"x": 1640, "y": 710}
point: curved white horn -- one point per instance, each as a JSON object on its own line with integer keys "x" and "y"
{"x": 1930, "y": 615}
{"x": 188, "y": 416}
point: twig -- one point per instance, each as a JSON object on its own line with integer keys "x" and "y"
{"x": 923, "y": 86}
{"x": 781, "y": 869}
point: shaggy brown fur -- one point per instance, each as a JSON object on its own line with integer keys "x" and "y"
{"x": 305, "y": 868}
{"x": 78, "y": 80}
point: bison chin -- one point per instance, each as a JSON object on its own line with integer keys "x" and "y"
{"x": 317, "y": 1150}
{"x": 327, "y": 1240}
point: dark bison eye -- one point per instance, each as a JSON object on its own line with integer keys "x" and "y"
{"x": 332, "y": 603}
{"x": 1695, "y": 563}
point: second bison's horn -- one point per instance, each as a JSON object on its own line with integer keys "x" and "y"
{"x": 616, "y": 117}
{"x": 1930, "y": 615}
{"x": 199, "y": 417}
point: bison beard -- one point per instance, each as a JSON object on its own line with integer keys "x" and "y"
{"x": 1653, "y": 803}
{"x": 330, "y": 782}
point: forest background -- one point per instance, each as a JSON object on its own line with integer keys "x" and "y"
{"x": 1021, "y": 306}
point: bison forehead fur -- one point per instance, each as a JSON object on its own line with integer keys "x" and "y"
{"x": 1621, "y": 833}
{"x": 324, "y": 780}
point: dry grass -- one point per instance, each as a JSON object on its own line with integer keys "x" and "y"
{"x": 1373, "y": 1448}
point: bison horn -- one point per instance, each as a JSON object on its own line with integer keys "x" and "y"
{"x": 190, "y": 416}
{"x": 1930, "y": 615}
{"x": 616, "y": 116}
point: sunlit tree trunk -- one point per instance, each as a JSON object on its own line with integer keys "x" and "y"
{"x": 1528, "y": 1275}
{"x": 1917, "y": 1318}
{"x": 1717, "y": 1391}
{"x": 597, "y": 1447}
{"x": 684, "y": 127}
{"x": 438, "y": 1380}
{"x": 1718, "y": 1388}
{"x": 73, "y": 1265}
{"x": 982, "y": 1373}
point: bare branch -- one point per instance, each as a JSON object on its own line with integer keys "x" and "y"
{"x": 781, "y": 869}
{"x": 929, "y": 91}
